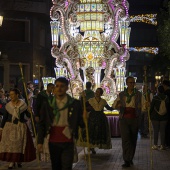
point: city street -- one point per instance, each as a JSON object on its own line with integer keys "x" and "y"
{"x": 112, "y": 159}
{"x": 111, "y": 55}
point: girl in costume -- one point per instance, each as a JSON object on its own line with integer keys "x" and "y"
{"x": 16, "y": 144}
{"x": 99, "y": 132}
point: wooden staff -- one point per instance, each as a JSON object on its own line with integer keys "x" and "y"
{"x": 86, "y": 125}
{"x": 149, "y": 120}
{"x": 87, "y": 130}
{"x": 32, "y": 120}
{"x": 85, "y": 121}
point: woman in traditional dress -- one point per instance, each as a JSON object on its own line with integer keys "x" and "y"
{"x": 16, "y": 144}
{"x": 99, "y": 132}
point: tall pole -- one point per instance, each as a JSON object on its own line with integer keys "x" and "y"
{"x": 86, "y": 123}
{"x": 87, "y": 131}
{"x": 149, "y": 120}
{"x": 32, "y": 120}
{"x": 26, "y": 94}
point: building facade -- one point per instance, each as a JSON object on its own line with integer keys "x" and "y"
{"x": 25, "y": 37}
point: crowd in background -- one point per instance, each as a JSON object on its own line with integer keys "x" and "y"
{"x": 136, "y": 99}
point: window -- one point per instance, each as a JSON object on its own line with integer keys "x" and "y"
{"x": 15, "y": 30}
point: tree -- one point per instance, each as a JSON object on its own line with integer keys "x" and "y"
{"x": 164, "y": 30}
{"x": 162, "y": 60}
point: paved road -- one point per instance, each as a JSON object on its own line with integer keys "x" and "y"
{"x": 112, "y": 159}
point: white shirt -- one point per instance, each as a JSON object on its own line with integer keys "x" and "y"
{"x": 63, "y": 120}
{"x": 97, "y": 106}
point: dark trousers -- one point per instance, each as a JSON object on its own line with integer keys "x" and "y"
{"x": 159, "y": 126}
{"x": 61, "y": 155}
{"x": 129, "y": 133}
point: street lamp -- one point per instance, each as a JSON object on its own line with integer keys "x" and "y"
{"x": 157, "y": 78}
{"x": 1, "y": 19}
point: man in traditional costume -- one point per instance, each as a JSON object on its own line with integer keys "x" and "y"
{"x": 60, "y": 118}
{"x": 128, "y": 103}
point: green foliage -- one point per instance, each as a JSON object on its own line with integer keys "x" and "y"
{"x": 162, "y": 61}
{"x": 164, "y": 30}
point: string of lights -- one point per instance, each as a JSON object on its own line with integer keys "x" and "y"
{"x": 152, "y": 50}
{"x": 146, "y": 18}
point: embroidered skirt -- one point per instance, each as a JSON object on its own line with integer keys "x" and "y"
{"x": 99, "y": 132}
{"x": 16, "y": 143}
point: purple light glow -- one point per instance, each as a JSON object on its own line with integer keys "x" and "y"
{"x": 107, "y": 89}
{"x": 103, "y": 64}
{"x": 66, "y": 3}
{"x": 126, "y": 9}
{"x": 118, "y": 47}
{"x": 111, "y": 5}
{"x": 124, "y": 55}
{"x": 116, "y": 25}
{"x": 116, "y": 29}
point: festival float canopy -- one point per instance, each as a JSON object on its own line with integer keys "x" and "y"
{"x": 90, "y": 42}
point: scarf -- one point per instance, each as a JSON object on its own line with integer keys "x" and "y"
{"x": 56, "y": 110}
{"x": 129, "y": 96}
{"x": 15, "y": 111}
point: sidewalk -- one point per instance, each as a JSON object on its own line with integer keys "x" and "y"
{"x": 112, "y": 159}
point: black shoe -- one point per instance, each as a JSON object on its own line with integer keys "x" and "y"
{"x": 126, "y": 165}
{"x": 19, "y": 165}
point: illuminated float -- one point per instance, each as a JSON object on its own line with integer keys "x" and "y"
{"x": 90, "y": 41}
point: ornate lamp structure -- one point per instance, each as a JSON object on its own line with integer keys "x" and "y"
{"x": 85, "y": 35}
{"x": 47, "y": 80}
